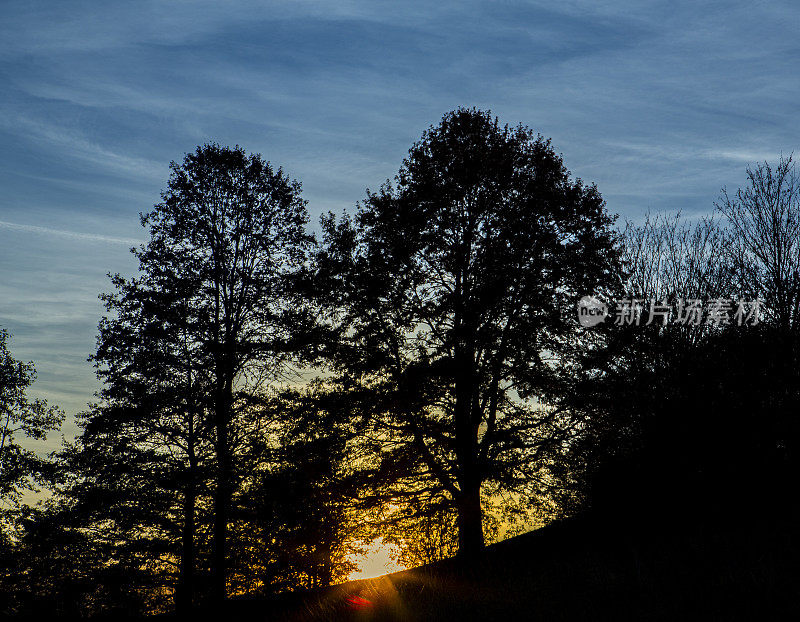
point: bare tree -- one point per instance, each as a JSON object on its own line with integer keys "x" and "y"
{"x": 764, "y": 240}
{"x": 668, "y": 257}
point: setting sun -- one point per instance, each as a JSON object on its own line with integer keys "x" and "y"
{"x": 377, "y": 559}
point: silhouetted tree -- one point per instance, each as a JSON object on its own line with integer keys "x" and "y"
{"x": 422, "y": 535}
{"x": 298, "y": 517}
{"x": 124, "y": 489}
{"x": 764, "y": 240}
{"x": 187, "y": 346}
{"x": 455, "y": 292}
{"x": 235, "y": 229}
{"x": 764, "y": 252}
{"x": 156, "y": 408}
{"x": 668, "y": 258}
{"x": 20, "y": 467}
{"x": 691, "y": 418}
{"x": 633, "y": 388}
{"x": 69, "y": 568}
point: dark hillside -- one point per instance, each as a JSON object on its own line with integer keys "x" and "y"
{"x": 579, "y": 570}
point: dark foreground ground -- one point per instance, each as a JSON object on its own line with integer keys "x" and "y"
{"x": 579, "y": 570}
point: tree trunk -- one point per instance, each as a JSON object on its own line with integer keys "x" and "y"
{"x": 219, "y": 553}
{"x": 468, "y": 502}
{"x": 184, "y": 595}
{"x": 470, "y": 523}
{"x": 221, "y": 500}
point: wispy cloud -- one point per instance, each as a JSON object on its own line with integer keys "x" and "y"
{"x": 74, "y": 235}
{"x": 69, "y": 140}
{"x": 746, "y": 156}
{"x": 660, "y": 103}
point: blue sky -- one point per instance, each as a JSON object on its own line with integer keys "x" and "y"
{"x": 660, "y": 103}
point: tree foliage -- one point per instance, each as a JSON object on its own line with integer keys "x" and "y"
{"x": 454, "y": 290}
{"x": 460, "y": 399}
{"x": 21, "y": 416}
{"x": 188, "y": 346}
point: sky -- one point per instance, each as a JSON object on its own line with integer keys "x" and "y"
{"x": 659, "y": 103}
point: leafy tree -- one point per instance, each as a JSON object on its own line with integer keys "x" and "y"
{"x": 155, "y": 412}
{"x": 188, "y": 344}
{"x": 21, "y": 467}
{"x": 454, "y": 293}
{"x": 123, "y": 492}
{"x": 233, "y": 228}
{"x": 71, "y": 571}
{"x": 300, "y": 519}
{"x": 423, "y": 537}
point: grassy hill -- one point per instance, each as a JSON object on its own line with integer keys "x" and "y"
{"x": 579, "y": 569}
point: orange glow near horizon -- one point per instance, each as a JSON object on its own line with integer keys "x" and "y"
{"x": 378, "y": 559}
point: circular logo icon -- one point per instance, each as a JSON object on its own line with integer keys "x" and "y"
{"x": 591, "y": 311}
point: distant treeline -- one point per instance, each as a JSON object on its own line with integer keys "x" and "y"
{"x": 272, "y": 399}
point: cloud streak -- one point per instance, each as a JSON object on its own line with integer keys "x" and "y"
{"x": 72, "y": 235}
{"x": 660, "y": 103}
